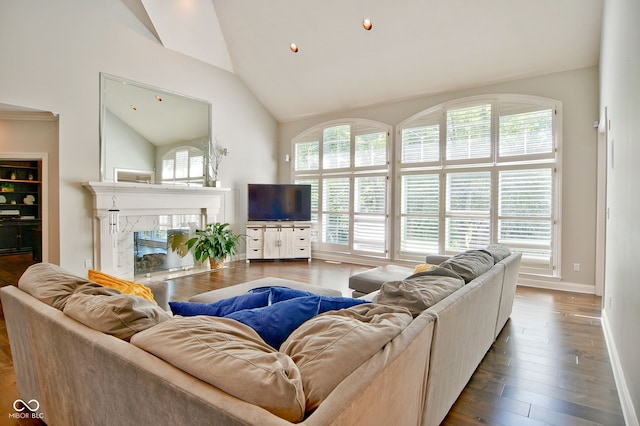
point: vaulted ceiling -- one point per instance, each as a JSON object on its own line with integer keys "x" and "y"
{"x": 415, "y": 48}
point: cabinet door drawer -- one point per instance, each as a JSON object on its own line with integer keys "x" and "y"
{"x": 254, "y": 253}
{"x": 302, "y": 242}
{"x": 254, "y": 243}
{"x": 302, "y": 231}
{"x": 302, "y": 252}
{"x": 254, "y": 232}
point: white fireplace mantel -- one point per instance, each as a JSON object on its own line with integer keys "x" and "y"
{"x": 138, "y": 204}
{"x": 140, "y": 198}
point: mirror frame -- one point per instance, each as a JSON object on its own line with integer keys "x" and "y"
{"x": 153, "y": 174}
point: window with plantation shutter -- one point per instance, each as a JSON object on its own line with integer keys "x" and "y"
{"x": 481, "y": 171}
{"x": 525, "y": 212}
{"x": 469, "y": 133}
{"x": 348, "y": 169}
{"x": 419, "y": 215}
{"x": 336, "y": 147}
{"x": 525, "y": 130}
{"x": 468, "y": 207}
{"x": 183, "y": 166}
{"x": 314, "y": 205}
{"x": 307, "y": 155}
{"x": 463, "y": 175}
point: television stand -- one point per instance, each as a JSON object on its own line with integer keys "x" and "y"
{"x": 278, "y": 240}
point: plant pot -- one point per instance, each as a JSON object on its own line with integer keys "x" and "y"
{"x": 216, "y": 265}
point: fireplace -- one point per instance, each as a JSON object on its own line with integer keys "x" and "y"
{"x": 161, "y": 250}
{"x": 153, "y": 220}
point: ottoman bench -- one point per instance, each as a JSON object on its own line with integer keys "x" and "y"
{"x": 235, "y": 290}
{"x": 369, "y": 281}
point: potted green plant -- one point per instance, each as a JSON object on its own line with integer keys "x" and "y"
{"x": 215, "y": 242}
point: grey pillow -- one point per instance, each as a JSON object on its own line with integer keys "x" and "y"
{"x": 53, "y": 285}
{"x": 120, "y": 315}
{"x": 419, "y": 292}
{"x": 469, "y": 264}
{"x": 498, "y": 251}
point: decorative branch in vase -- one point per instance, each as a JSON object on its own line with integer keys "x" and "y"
{"x": 215, "y": 154}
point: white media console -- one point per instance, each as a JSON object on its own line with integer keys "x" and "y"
{"x": 278, "y": 240}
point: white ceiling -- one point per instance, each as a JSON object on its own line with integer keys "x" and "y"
{"x": 416, "y": 47}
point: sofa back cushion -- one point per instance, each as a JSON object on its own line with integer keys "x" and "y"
{"x": 469, "y": 264}
{"x": 418, "y": 292}
{"x": 119, "y": 315}
{"x": 53, "y": 285}
{"x": 331, "y": 346}
{"x": 231, "y": 356}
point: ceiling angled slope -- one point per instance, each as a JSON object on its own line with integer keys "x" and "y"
{"x": 191, "y": 28}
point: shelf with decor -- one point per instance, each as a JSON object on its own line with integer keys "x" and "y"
{"x": 20, "y": 207}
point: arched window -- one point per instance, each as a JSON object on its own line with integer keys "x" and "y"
{"x": 464, "y": 174}
{"x": 478, "y": 171}
{"x": 183, "y": 165}
{"x": 347, "y": 165}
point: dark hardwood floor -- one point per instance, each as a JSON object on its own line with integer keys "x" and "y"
{"x": 548, "y": 366}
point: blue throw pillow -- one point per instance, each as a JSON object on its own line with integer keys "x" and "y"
{"x": 328, "y": 303}
{"x": 278, "y": 294}
{"x": 274, "y": 323}
{"x": 221, "y": 307}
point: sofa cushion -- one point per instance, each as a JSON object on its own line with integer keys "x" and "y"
{"x": 418, "y": 292}
{"x": 499, "y": 252}
{"x": 469, "y": 264}
{"x": 120, "y": 315}
{"x": 53, "y": 285}
{"x": 331, "y": 346}
{"x": 231, "y": 356}
{"x": 124, "y": 286}
{"x": 222, "y": 307}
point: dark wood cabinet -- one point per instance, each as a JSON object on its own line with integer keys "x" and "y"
{"x": 20, "y": 208}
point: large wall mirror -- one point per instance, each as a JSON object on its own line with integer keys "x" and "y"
{"x": 151, "y": 135}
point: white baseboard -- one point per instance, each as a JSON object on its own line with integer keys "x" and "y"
{"x": 556, "y": 285}
{"x": 628, "y": 411}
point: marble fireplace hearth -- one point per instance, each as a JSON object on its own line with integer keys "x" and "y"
{"x": 147, "y": 207}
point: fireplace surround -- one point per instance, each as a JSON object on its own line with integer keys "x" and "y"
{"x": 145, "y": 207}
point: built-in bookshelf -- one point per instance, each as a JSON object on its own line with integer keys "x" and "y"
{"x": 20, "y": 207}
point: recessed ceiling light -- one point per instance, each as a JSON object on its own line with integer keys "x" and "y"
{"x": 133, "y": 107}
{"x": 367, "y": 24}
{"x": 294, "y": 48}
{"x": 158, "y": 98}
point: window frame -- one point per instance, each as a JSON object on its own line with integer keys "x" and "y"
{"x": 188, "y": 180}
{"x": 352, "y": 172}
{"x": 495, "y": 164}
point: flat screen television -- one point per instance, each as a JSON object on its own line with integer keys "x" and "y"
{"x": 279, "y": 202}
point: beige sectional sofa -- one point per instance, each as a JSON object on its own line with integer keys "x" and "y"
{"x": 83, "y": 376}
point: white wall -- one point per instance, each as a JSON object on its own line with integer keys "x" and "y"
{"x": 620, "y": 95}
{"x": 578, "y": 91}
{"x": 38, "y": 135}
{"x": 52, "y": 55}
{"x": 128, "y": 149}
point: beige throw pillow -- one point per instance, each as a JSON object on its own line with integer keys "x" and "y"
{"x": 120, "y": 315}
{"x": 231, "y": 356}
{"x": 331, "y": 346}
